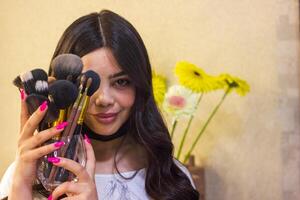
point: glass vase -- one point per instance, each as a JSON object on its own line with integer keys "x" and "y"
{"x": 50, "y": 175}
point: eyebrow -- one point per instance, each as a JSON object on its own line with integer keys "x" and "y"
{"x": 117, "y": 74}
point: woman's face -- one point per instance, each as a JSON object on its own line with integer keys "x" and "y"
{"x": 111, "y": 104}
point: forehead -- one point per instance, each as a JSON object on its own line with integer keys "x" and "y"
{"x": 101, "y": 61}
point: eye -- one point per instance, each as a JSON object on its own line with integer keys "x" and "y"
{"x": 122, "y": 82}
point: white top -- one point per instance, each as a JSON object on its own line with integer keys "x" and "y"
{"x": 109, "y": 186}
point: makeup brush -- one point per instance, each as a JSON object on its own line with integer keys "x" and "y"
{"x": 66, "y": 67}
{"x": 92, "y": 84}
{"x": 95, "y": 82}
{"x": 33, "y": 101}
{"x": 18, "y": 82}
{"x": 73, "y": 110}
{"x": 29, "y": 79}
{"x": 63, "y": 93}
{"x": 51, "y": 116}
{"x": 65, "y": 134}
{"x": 88, "y": 87}
{"x": 68, "y": 150}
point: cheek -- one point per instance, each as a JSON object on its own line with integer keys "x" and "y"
{"x": 125, "y": 98}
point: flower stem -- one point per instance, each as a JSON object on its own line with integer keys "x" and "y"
{"x": 204, "y": 127}
{"x": 187, "y": 129}
{"x": 173, "y": 128}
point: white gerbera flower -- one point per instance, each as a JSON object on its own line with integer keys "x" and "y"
{"x": 180, "y": 101}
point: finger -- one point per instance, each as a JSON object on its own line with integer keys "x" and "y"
{"x": 51, "y": 79}
{"x": 41, "y": 151}
{"x": 67, "y": 187}
{"x": 32, "y": 123}
{"x": 43, "y": 136}
{"x": 91, "y": 160}
{"x": 79, "y": 171}
{"x": 24, "y": 111}
{"x": 77, "y": 197}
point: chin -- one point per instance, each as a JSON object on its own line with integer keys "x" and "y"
{"x": 103, "y": 129}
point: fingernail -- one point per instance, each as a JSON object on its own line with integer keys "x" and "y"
{"x": 22, "y": 94}
{"x": 59, "y": 144}
{"x": 54, "y": 159}
{"x": 87, "y": 139}
{"x": 43, "y": 106}
{"x": 50, "y": 197}
{"x": 62, "y": 125}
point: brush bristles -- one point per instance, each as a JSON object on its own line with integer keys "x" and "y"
{"x": 64, "y": 93}
{"x": 27, "y": 76}
{"x": 95, "y": 82}
{"x": 41, "y": 87}
{"x": 28, "y": 82}
{"x": 66, "y": 66}
{"x": 33, "y": 101}
{"x": 39, "y": 74}
{"x": 18, "y": 82}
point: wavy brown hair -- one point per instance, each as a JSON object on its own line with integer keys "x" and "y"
{"x": 164, "y": 179}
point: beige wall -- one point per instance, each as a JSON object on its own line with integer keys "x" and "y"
{"x": 243, "y": 147}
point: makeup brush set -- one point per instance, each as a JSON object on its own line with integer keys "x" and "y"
{"x": 67, "y": 92}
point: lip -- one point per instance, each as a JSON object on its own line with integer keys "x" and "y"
{"x": 106, "y": 118}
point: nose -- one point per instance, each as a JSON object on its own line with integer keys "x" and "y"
{"x": 103, "y": 97}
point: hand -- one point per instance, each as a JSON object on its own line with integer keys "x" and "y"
{"x": 85, "y": 187}
{"x": 29, "y": 149}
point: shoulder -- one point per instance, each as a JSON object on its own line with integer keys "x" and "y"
{"x": 184, "y": 170}
{"x": 7, "y": 180}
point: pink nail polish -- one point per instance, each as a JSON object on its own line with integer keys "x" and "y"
{"x": 50, "y": 197}
{"x": 58, "y": 144}
{"x": 22, "y": 94}
{"x": 54, "y": 159}
{"x": 43, "y": 106}
{"x": 61, "y": 125}
{"x": 87, "y": 139}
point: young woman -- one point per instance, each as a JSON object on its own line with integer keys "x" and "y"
{"x": 129, "y": 151}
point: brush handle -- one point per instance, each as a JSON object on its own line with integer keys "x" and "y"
{"x": 71, "y": 132}
{"x": 68, "y": 133}
{"x": 64, "y": 148}
{"x": 72, "y": 149}
{"x": 72, "y": 115}
{"x": 70, "y": 121}
{"x": 77, "y": 122}
{"x": 71, "y": 153}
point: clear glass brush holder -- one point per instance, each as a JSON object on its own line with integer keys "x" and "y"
{"x": 52, "y": 176}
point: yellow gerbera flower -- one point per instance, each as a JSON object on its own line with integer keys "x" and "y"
{"x": 159, "y": 87}
{"x": 194, "y": 78}
{"x": 240, "y": 86}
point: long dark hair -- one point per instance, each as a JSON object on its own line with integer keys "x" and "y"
{"x": 164, "y": 179}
